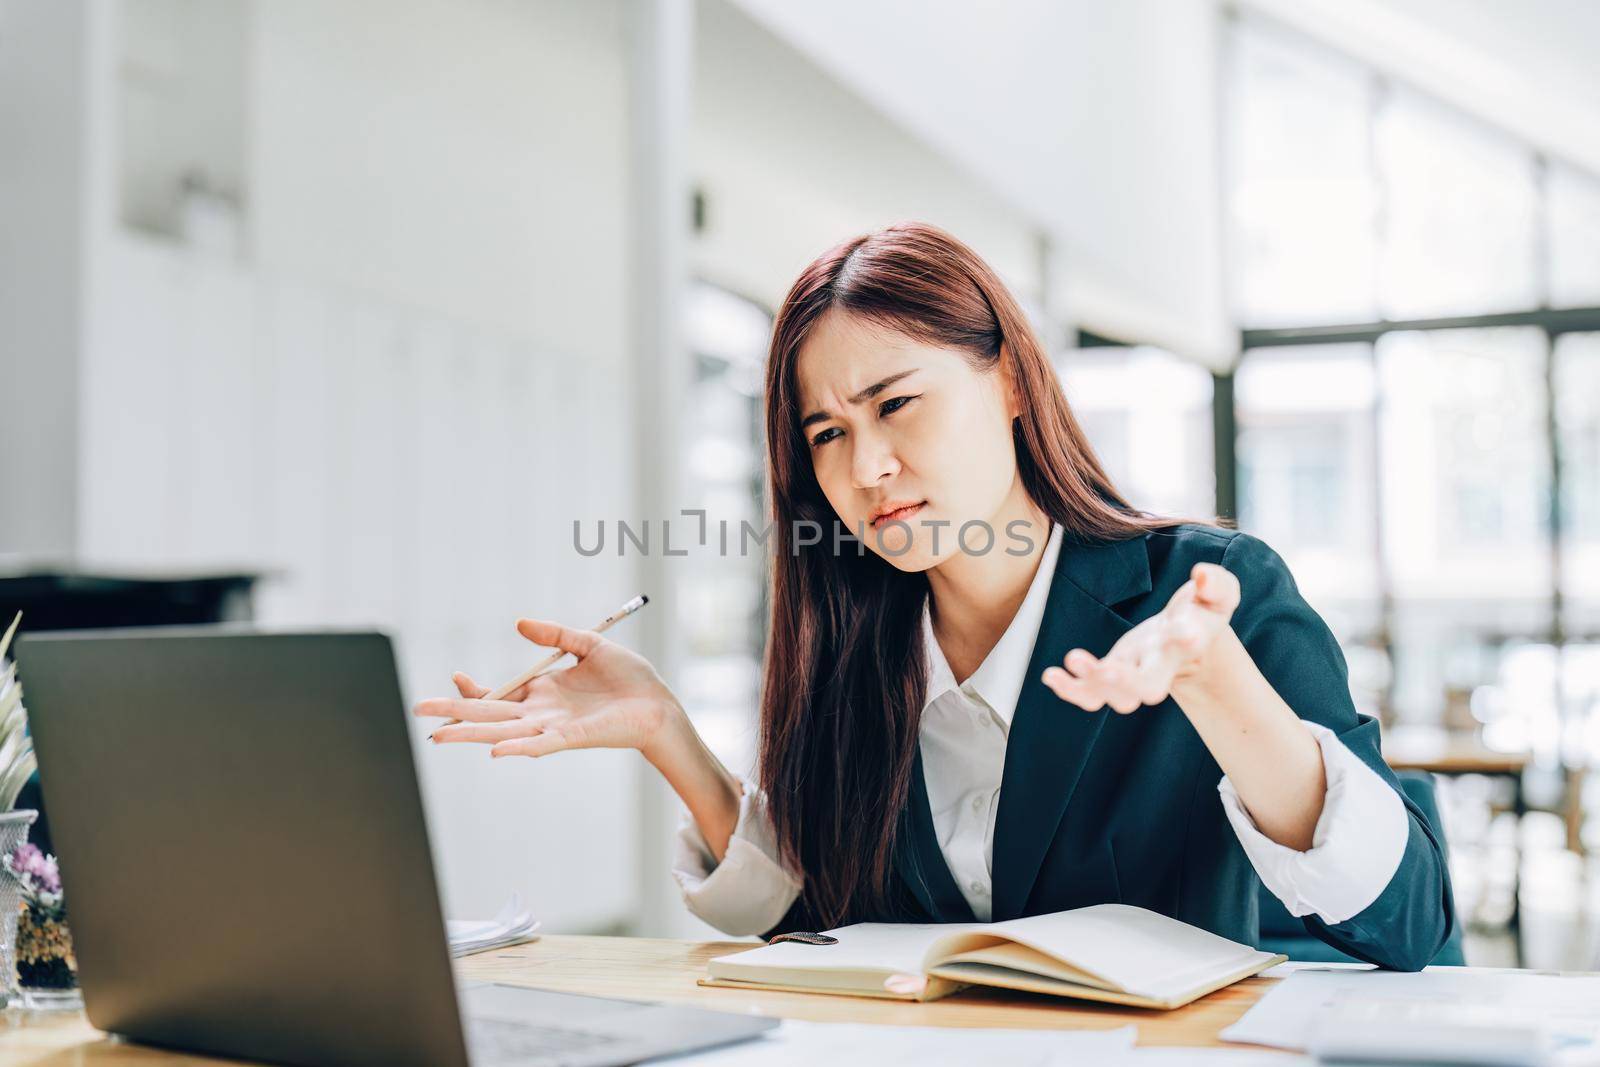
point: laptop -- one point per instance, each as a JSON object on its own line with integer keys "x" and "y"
{"x": 242, "y": 842}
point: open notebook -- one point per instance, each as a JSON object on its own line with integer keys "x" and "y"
{"x": 1109, "y": 952}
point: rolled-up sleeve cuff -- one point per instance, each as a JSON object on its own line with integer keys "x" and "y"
{"x": 749, "y": 891}
{"x": 1356, "y": 847}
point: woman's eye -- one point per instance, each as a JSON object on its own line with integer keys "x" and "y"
{"x": 888, "y": 407}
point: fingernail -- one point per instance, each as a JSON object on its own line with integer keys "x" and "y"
{"x": 434, "y": 739}
{"x": 906, "y": 984}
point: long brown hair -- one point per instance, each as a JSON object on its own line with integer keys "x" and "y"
{"x": 844, "y": 677}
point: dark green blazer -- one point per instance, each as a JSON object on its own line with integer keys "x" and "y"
{"x": 1099, "y": 807}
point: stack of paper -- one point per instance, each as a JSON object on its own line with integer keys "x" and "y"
{"x": 1442, "y": 1015}
{"x": 514, "y": 925}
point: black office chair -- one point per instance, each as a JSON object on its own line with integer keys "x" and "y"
{"x": 1282, "y": 932}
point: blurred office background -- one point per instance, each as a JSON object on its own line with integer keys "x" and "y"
{"x": 371, "y": 302}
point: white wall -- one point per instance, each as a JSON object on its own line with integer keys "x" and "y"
{"x": 792, "y": 162}
{"x": 45, "y": 56}
{"x": 181, "y": 104}
{"x": 398, "y": 468}
{"x": 399, "y": 402}
{"x": 469, "y": 157}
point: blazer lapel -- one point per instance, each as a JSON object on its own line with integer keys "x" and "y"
{"x": 1050, "y": 740}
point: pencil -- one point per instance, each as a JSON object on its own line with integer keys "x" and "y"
{"x": 543, "y": 666}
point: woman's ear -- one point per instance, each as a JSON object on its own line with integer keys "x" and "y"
{"x": 1010, "y": 392}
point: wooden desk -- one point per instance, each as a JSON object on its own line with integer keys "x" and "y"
{"x": 644, "y": 969}
{"x": 1455, "y": 758}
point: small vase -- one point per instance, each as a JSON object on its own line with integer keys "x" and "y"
{"x": 13, "y": 832}
{"x": 46, "y": 969}
{"x": 51, "y": 999}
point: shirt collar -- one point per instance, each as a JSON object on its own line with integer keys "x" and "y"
{"x": 999, "y": 679}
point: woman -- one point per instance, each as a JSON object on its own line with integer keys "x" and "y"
{"x": 933, "y": 746}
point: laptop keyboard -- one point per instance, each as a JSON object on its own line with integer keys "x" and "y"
{"x": 502, "y": 1041}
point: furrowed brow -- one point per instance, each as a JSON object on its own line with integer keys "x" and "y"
{"x": 866, "y": 394}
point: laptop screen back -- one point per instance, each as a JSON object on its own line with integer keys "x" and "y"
{"x": 242, "y": 843}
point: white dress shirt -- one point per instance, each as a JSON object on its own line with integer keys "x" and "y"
{"x": 1356, "y": 848}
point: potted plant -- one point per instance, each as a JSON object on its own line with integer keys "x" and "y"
{"x": 17, "y": 761}
{"x": 35, "y": 945}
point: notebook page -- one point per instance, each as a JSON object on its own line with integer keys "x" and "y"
{"x": 876, "y": 948}
{"x": 1139, "y": 951}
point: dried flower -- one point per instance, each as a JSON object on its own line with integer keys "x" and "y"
{"x": 40, "y": 878}
{"x": 44, "y": 953}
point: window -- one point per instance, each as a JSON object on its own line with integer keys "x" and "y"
{"x": 1465, "y": 497}
{"x": 1466, "y": 460}
{"x": 1407, "y": 475}
{"x": 1418, "y": 400}
{"x": 1573, "y": 214}
{"x": 1302, "y": 199}
{"x": 1305, "y": 449}
{"x": 724, "y": 609}
{"x": 1148, "y": 415}
{"x": 1577, "y": 389}
{"x": 1461, "y": 213}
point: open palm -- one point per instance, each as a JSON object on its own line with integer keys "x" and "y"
{"x": 611, "y": 698}
{"x": 1157, "y": 654}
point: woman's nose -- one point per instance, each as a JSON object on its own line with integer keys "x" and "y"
{"x": 872, "y": 461}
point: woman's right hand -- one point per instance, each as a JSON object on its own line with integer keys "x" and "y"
{"x": 612, "y": 698}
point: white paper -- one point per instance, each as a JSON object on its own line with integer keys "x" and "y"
{"x": 874, "y": 948}
{"x": 514, "y": 925}
{"x": 806, "y": 1044}
{"x": 1459, "y": 1010}
{"x": 1288, "y": 967}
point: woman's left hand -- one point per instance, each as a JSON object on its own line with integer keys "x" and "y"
{"x": 1156, "y": 656}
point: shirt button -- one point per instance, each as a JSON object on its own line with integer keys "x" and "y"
{"x": 977, "y": 803}
{"x": 978, "y": 889}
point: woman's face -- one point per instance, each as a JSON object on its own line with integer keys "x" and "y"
{"x": 899, "y": 429}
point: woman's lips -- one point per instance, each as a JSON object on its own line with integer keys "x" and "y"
{"x": 901, "y": 515}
